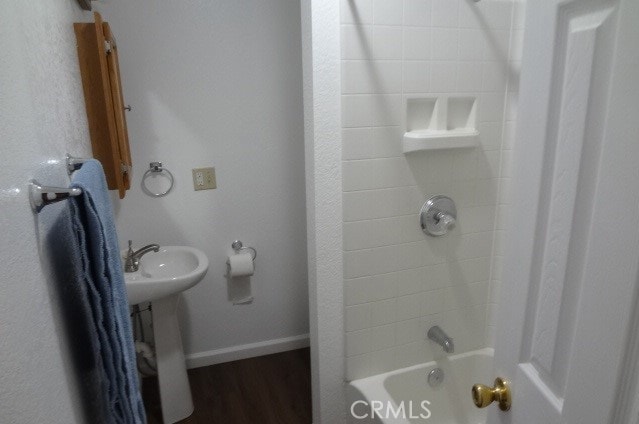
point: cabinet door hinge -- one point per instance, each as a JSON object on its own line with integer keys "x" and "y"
{"x": 107, "y": 46}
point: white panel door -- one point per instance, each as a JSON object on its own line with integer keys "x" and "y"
{"x": 570, "y": 271}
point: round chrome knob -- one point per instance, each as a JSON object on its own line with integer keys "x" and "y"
{"x": 445, "y": 221}
{"x": 438, "y": 215}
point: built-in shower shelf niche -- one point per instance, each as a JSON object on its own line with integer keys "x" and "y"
{"x": 415, "y": 141}
{"x": 439, "y": 123}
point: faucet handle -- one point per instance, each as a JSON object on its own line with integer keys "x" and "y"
{"x": 438, "y": 215}
{"x": 445, "y": 221}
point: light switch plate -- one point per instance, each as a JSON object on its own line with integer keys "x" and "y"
{"x": 204, "y": 179}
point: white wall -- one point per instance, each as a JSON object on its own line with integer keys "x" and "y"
{"x": 42, "y": 117}
{"x": 321, "y": 52}
{"x": 219, "y": 83}
{"x": 398, "y": 281}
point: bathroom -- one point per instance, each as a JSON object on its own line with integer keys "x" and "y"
{"x": 322, "y": 129}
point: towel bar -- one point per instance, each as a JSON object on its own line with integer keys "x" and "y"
{"x": 73, "y": 163}
{"x": 40, "y": 196}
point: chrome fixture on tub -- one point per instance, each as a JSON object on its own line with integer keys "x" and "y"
{"x": 435, "y": 377}
{"x": 438, "y": 215}
{"x": 437, "y": 335}
{"x": 132, "y": 259}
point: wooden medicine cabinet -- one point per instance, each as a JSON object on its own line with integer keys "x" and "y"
{"x": 98, "y": 57}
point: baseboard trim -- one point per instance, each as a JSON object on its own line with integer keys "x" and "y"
{"x": 234, "y": 353}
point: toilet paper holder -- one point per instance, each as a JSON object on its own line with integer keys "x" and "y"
{"x": 243, "y": 282}
{"x": 238, "y": 246}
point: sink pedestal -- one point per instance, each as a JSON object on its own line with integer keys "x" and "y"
{"x": 175, "y": 392}
{"x": 159, "y": 279}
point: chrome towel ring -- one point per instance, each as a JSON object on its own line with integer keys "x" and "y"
{"x": 156, "y": 168}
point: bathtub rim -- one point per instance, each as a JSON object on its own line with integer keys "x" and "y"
{"x": 373, "y": 387}
{"x": 487, "y": 351}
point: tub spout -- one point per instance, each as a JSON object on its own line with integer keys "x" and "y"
{"x": 437, "y": 335}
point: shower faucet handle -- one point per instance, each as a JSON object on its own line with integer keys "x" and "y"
{"x": 445, "y": 220}
{"x": 438, "y": 215}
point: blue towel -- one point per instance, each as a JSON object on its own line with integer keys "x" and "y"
{"x": 82, "y": 316}
{"x": 92, "y": 218}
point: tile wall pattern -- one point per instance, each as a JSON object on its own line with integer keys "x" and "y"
{"x": 504, "y": 204}
{"x": 398, "y": 281}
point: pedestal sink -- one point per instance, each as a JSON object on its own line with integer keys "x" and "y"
{"x": 161, "y": 277}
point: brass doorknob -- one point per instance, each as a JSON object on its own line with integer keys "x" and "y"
{"x": 484, "y": 395}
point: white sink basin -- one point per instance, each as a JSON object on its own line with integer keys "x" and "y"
{"x": 171, "y": 270}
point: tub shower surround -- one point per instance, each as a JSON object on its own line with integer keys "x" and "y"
{"x": 398, "y": 281}
{"x": 449, "y": 399}
{"x": 504, "y": 203}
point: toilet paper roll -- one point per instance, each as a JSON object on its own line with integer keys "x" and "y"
{"x": 241, "y": 265}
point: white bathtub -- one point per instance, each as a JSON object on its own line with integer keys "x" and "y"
{"x": 450, "y": 402}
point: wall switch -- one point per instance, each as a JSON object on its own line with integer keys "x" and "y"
{"x": 204, "y": 179}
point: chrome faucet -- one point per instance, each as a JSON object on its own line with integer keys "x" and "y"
{"x": 132, "y": 259}
{"x": 437, "y": 335}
